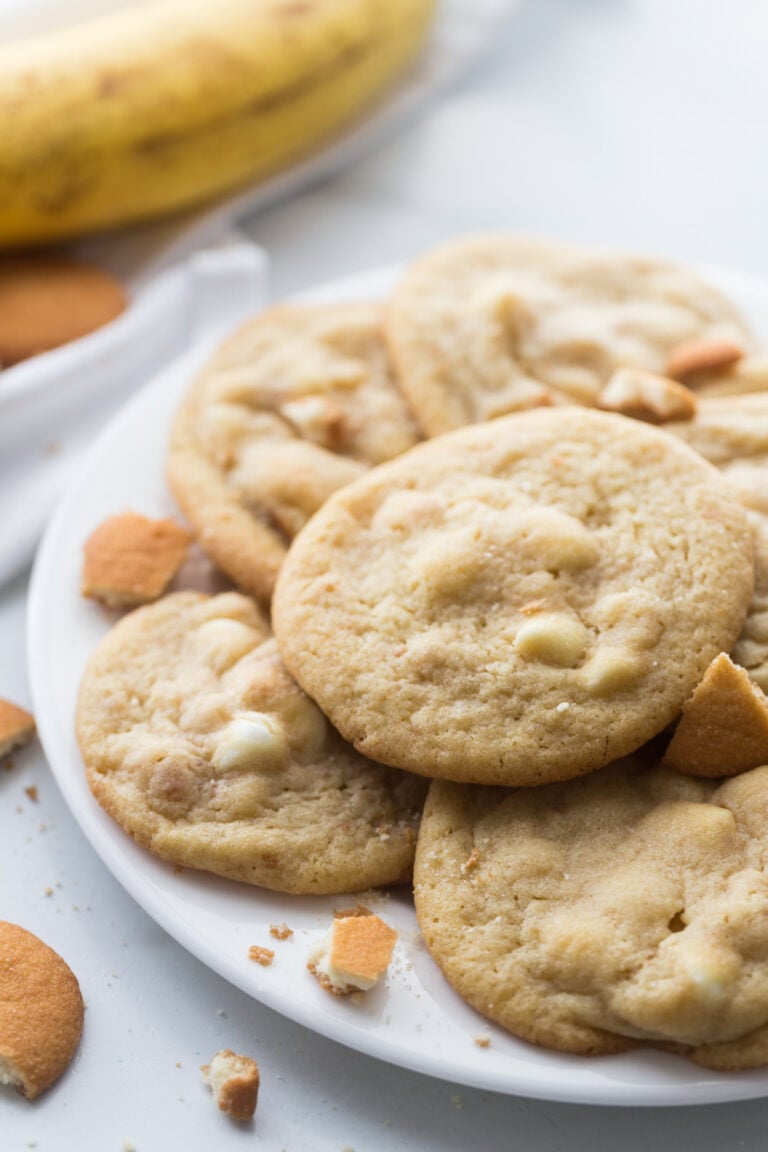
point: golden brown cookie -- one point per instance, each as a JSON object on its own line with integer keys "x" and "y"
{"x": 521, "y": 601}
{"x": 49, "y": 299}
{"x": 130, "y": 560}
{"x": 198, "y": 742}
{"x": 41, "y": 1012}
{"x": 487, "y": 325}
{"x": 295, "y": 405}
{"x": 626, "y": 908}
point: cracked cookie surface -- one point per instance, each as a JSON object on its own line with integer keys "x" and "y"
{"x": 296, "y": 404}
{"x": 626, "y": 908}
{"x": 522, "y": 601}
{"x": 488, "y": 325}
{"x": 198, "y": 742}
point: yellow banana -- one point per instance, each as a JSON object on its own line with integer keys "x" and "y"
{"x": 163, "y": 105}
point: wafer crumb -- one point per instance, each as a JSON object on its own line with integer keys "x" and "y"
{"x": 280, "y": 931}
{"x": 17, "y": 727}
{"x": 354, "y": 953}
{"x": 130, "y": 559}
{"x": 234, "y": 1081}
{"x": 358, "y": 910}
{"x": 263, "y": 956}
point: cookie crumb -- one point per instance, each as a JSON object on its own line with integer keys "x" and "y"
{"x": 234, "y": 1081}
{"x": 131, "y": 560}
{"x": 263, "y": 956}
{"x": 280, "y": 931}
{"x": 358, "y": 910}
{"x": 31, "y": 791}
{"x": 483, "y": 1041}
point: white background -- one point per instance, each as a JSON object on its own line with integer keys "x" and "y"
{"x": 634, "y": 122}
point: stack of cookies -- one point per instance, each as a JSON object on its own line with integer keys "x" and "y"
{"x": 511, "y": 530}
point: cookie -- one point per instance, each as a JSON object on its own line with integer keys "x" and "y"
{"x": 47, "y": 300}
{"x": 488, "y": 325}
{"x": 41, "y": 1012}
{"x": 729, "y": 431}
{"x": 198, "y": 742}
{"x": 130, "y": 560}
{"x": 751, "y": 648}
{"x": 520, "y": 601}
{"x": 295, "y": 405}
{"x": 724, "y": 726}
{"x": 748, "y": 374}
{"x": 626, "y": 908}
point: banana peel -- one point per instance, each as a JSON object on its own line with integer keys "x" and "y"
{"x": 148, "y": 110}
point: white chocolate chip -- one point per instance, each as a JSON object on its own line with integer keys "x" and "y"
{"x": 252, "y": 739}
{"x": 552, "y": 639}
{"x": 317, "y": 417}
{"x": 612, "y": 670}
{"x": 222, "y": 642}
{"x": 555, "y": 539}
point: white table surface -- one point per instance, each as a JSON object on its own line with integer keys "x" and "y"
{"x": 632, "y": 122}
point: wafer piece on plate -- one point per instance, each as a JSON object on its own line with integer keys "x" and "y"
{"x": 131, "y": 560}
{"x": 354, "y": 954}
{"x": 17, "y": 727}
{"x": 647, "y": 396}
{"x": 724, "y": 726}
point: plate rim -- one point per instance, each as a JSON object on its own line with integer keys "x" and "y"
{"x": 713, "y": 1088}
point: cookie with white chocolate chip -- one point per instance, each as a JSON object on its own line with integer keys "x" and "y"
{"x": 521, "y": 601}
{"x": 491, "y": 324}
{"x": 296, "y": 404}
{"x": 627, "y": 908}
{"x": 198, "y": 742}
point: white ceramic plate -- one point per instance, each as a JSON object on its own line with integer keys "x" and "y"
{"x": 416, "y": 1020}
